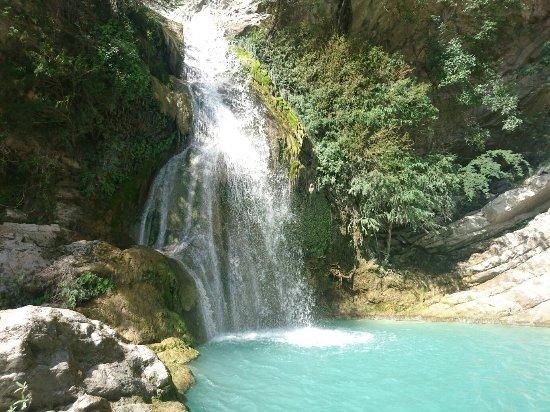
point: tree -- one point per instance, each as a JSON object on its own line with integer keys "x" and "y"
{"x": 400, "y": 190}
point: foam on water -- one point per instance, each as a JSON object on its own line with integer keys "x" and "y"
{"x": 375, "y": 366}
{"x": 305, "y": 337}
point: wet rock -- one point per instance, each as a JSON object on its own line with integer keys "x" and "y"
{"x": 175, "y": 355}
{"x": 69, "y": 361}
{"x": 174, "y": 102}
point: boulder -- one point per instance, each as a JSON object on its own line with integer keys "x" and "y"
{"x": 175, "y": 355}
{"x": 152, "y": 292}
{"x": 72, "y": 362}
{"x": 151, "y": 296}
{"x": 173, "y": 38}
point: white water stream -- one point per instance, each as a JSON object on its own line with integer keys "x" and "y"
{"x": 219, "y": 207}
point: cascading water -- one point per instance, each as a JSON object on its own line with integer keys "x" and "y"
{"x": 219, "y": 207}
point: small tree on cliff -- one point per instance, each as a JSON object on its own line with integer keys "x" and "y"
{"x": 400, "y": 190}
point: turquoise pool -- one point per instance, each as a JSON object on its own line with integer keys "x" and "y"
{"x": 376, "y": 366}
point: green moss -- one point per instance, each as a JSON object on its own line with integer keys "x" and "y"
{"x": 316, "y": 225}
{"x": 278, "y": 106}
{"x": 152, "y": 297}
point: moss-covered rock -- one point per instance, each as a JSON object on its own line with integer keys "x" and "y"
{"x": 175, "y": 354}
{"x": 290, "y": 133}
{"x": 140, "y": 292}
{"x": 152, "y": 295}
{"x": 174, "y": 102}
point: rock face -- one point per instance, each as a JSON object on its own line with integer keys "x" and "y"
{"x": 26, "y": 249}
{"x": 67, "y": 359}
{"x": 509, "y": 282}
{"x": 174, "y": 102}
{"x": 501, "y": 214}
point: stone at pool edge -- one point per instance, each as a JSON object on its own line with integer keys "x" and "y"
{"x": 175, "y": 355}
{"x": 70, "y": 361}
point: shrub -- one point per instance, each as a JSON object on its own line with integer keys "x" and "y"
{"x": 373, "y": 122}
{"x": 494, "y": 165}
{"x": 87, "y": 286}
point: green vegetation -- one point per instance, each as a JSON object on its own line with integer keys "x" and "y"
{"x": 76, "y": 103}
{"x": 384, "y": 155}
{"x": 87, "y": 286}
{"x": 463, "y": 59}
{"x": 316, "y": 225}
{"x": 25, "y": 397}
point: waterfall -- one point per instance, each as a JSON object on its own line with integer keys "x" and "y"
{"x": 220, "y": 207}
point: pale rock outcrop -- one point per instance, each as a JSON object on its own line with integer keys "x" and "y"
{"x": 72, "y": 362}
{"x": 501, "y": 214}
{"x": 510, "y": 281}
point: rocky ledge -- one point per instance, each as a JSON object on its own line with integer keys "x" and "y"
{"x": 72, "y": 363}
{"x": 508, "y": 282}
{"x": 502, "y": 272}
{"x": 498, "y": 216}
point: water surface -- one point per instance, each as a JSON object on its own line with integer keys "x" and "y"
{"x": 376, "y": 366}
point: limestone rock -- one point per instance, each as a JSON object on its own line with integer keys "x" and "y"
{"x": 175, "y": 354}
{"x": 71, "y": 361}
{"x": 511, "y": 279}
{"x": 25, "y": 249}
{"x": 173, "y": 37}
{"x": 501, "y": 214}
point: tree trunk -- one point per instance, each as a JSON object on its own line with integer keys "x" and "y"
{"x": 388, "y": 243}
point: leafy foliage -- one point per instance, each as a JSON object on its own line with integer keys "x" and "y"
{"x": 87, "y": 286}
{"x": 373, "y": 122}
{"x": 77, "y": 84}
{"x": 463, "y": 60}
{"x": 494, "y": 165}
{"x": 25, "y": 398}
